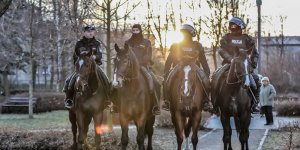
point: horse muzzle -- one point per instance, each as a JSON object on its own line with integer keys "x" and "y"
{"x": 118, "y": 83}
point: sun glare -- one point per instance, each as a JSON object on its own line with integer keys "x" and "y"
{"x": 173, "y": 37}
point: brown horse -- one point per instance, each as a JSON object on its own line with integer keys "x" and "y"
{"x": 233, "y": 99}
{"x": 186, "y": 102}
{"x": 134, "y": 97}
{"x": 89, "y": 101}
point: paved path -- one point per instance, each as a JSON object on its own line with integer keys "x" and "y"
{"x": 165, "y": 139}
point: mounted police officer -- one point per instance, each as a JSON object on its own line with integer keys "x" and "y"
{"x": 142, "y": 49}
{"x": 229, "y": 42}
{"x": 186, "y": 47}
{"x": 87, "y": 42}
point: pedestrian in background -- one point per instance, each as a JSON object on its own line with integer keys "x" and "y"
{"x": 267, "y": 94}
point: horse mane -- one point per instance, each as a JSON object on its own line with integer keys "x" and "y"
{"x": 135, "y": 63}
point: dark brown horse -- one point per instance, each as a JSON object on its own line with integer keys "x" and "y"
{"x": 134, "y": 97}
{"x": 233, "y": 99}
{"x": 186, "y": 101}
{"x": 89, "y": 101}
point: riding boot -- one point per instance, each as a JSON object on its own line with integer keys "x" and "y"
{"x": 155, "y": 109}
{"x": 166, "y": 104}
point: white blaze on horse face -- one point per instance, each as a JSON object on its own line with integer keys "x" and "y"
{"x": 247, "y": 81}
{"x": 115, "y": 81}
{"x": 80, "y": 62}
{"x": 186, "y": 70}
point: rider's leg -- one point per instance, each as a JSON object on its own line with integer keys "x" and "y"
{"x": 204, "y": 79}
{"x": 156, "y": 95}
{"x": 107, "y": 89}
{"x": 256, "y": 91}
{"x": 69, "y": 90}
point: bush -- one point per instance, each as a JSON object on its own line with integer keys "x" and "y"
{"x": 288, "y": 108}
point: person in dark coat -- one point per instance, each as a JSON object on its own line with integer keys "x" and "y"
{"x": 186, "y": 47}
{"x": 229, "y": 42}
{"x": 87, "y": 42}
{"x": 142, "y": 49}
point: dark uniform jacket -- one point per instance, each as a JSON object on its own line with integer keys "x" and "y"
{"x": 186, "y": 48}
{"x": 84, "y": 45}
{"x": 142, "y": 50}
{"x": 229, "y": 42}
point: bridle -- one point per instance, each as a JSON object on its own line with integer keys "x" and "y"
{"x": 86, "y": 79}
{"x": 127, "y": 76}
{"x": 236, "y": 74}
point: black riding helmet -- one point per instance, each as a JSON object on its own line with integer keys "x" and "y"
{"x": 189, "y": 28}
{"x": 88, "y": 28}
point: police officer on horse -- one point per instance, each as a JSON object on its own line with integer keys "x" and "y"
{"x": 186, "y": 47}
{"x": 87, "y": 42}
{"x": 229, "y": 42}
{"x": 142, "y": 49}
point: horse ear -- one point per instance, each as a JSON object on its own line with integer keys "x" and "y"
{"x": 117, "y": 48}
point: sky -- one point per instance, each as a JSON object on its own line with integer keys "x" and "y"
{"x": 270, "y": 12}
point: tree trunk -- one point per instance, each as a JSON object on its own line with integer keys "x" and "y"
{"x": 108, "y": 49}
{"x": 30, "y": 107}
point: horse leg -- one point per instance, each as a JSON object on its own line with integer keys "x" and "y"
{"x": 178, "y": 122}
{"x": 244, "y": 135}
{"x": 195, "y": 127}
{"x": 124, "y": 126}
{"x": 225, "y": 120}
{"x": 83, "y": 123}
{"x": 187, "y": 131}
{"x": 72, "y": 118}
{"x": 149, "y": 131}
{"x": 98, "y": 130}
{"x": 140, "y": 138}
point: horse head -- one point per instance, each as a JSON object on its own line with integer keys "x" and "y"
{"x": 240, "y": 68}
{"x": 84, "y": 66}
{"x": 123, "y": 66}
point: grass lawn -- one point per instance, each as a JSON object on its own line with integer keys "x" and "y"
{"x": 280, "y": 140}
{"x": 48, "y": 120}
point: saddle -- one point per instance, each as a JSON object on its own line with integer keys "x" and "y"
{"x": 202, "y": 77}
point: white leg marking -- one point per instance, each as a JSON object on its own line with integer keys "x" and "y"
{"x": 186, "y": 70}
{"x": 247, "y": 81}
{"x": 115, "y": 82}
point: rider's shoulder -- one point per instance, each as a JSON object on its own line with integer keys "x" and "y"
{"x": 226, "y": 36}
{"x": 147, "y": 42}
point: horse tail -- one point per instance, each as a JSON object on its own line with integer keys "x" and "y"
{"x": 187, "y": 128}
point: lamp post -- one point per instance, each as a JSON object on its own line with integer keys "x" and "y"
{"x": 258, "y": 4}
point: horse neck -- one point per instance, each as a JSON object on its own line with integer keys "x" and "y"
{"x": 94, "y": 76}
{"x": 232, "y": 80}
{"x": 135, "y": 69}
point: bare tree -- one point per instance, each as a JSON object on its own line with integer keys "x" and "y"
{"x": 109, "y": 8}
{"x": 216, "y": 22}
